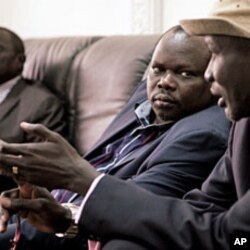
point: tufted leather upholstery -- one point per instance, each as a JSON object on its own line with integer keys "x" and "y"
{"x": 94, "y": 76}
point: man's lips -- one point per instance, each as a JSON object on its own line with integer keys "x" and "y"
{"x": 163, "y": 101}
{"x": 221, "y": 102}
{"x": 164, "y": 98}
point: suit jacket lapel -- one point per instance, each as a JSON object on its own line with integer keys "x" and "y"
{"x": 240, "y": 148}
{"x": 138, "y": 157}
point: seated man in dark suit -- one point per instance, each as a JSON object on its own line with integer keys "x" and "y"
{"x": 166, "y": 139}
{"x": 20, "y": 99}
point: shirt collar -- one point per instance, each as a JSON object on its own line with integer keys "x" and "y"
{"x": 144, "y": 113}
{"x": 145, "y": 116}
{"x": 9, "y": 84}
{"x": 6, "y": 87}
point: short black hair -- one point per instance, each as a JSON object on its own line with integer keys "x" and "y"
{"x": 17, "y": 42}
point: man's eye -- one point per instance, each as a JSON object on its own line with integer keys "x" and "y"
{"x": 156, "y": 70}
{"x": 186, "y": 74}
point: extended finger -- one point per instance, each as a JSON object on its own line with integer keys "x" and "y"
{"x": 13, "y": 148}
{"x": 19, "y": 148}
{"x": 12, "y": 193}
{"x": 39, "y": 130}
{"x": 9, "y": 160}
{"x": 4, "y": 214}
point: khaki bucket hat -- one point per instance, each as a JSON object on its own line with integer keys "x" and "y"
{"x": 227, "y": 17}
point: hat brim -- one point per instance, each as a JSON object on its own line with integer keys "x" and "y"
{"x": 213, "y": 26}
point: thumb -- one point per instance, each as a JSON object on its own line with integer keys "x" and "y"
{"x": 38, "y": 130}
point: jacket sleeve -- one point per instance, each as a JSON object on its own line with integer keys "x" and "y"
{"x": 119, "y": 210}
{"x": 49, "y": 112}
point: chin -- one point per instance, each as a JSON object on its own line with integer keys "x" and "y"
{"x": 167, "y": 117}
{"x": 234, "y": 115}
{"x": 230, "y": 115}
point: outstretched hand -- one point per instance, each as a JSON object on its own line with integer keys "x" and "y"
{"x": 35, "y": 204}
{"x": 52, "y": 163}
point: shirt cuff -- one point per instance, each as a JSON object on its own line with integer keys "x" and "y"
{"x": 90, "y": 191}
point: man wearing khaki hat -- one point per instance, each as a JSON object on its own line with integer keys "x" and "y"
{"x": 215, "y": 217}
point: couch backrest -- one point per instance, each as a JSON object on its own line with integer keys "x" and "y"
{"x": 94, "y": 76}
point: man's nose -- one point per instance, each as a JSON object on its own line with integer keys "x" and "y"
{"x": 208, "y": 75}
{"x": 168, "y": 81}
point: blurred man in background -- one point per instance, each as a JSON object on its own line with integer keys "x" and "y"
{"x": 21, "y": 99}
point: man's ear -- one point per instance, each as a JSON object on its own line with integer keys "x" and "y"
{"x": 22, "y": 58}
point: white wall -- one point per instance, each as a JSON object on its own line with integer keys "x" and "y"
{"x": 47, "y": 18}
{"x": 33, "y": 18}
{"x": 175, "y": 10}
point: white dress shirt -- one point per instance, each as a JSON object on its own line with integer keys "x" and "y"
{"x": 90, "y": 191}
{"x": 6, "y": 87}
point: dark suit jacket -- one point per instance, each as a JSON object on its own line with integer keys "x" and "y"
{"x": 210, "y": 218}
{"x": 177, "y": 161}
{"x": 30, "y": 103}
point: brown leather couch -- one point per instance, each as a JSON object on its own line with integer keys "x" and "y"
{"x": 93, "y": 75}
